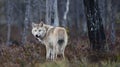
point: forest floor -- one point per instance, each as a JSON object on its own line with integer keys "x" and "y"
{"x": 77, "y": 54}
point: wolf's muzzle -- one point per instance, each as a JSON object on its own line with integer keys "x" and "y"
{"x": 37, "y": 36}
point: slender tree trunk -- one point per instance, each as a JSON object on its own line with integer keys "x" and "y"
{"x": 9, "y": 10}
{"x": 40, "y": 10}
{"x": 77, "y": 12}
{"x": 26, "y": 21}
{"x": 103, "y": 7}
{"x": 64, "y": 23}
{"x": 56, "y": 19}
{"x": 36, "y": 10}
{"x": 95, "y": 26}
{"x": 84, "y": 24}
{"x": 8, "y": 33}
{"x": 112, "y": 11}
{"x": 52, "y": 12}
{"x": 48, "y": 11}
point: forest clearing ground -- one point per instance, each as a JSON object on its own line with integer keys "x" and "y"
{"x": 33, "y": 54}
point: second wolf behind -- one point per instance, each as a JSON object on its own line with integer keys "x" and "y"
{"x": 54, "y": 38}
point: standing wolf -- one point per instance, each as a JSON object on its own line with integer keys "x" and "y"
{"x": 54, "y": 38}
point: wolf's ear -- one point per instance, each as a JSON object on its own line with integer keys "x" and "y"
{"x": 33, "y": 24}
{"x": 41, "y": 24}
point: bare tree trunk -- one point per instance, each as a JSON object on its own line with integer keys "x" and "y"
{"x": 8, "y": 33}
{"x": 84, "y": 24}
{"x": 48, "y": 11}
{"x": 95, "y": 26}
{"x": 82, "y": 19}
{"x": 52, "y": 12}
{"x": 103, "y": 7}
{"x": 108, "y": 10}
{"x": 9, "y": 10}
{"x": 112, "y": 11}
{"x": 64, "y": 23}
{"x": 77, "y": 12}
{"x": 35, "y": 10}
{"x": 26, "y": 21}
{"x": 40, "y": 10}
{"x": 56, "y": 19}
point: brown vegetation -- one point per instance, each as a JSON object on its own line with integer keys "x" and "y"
{"x": 77, "y": 51}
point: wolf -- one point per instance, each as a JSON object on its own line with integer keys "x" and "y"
{"x": 55, "y": 39}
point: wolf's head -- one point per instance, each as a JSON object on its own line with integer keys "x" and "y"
{"x": 39, "y": 30}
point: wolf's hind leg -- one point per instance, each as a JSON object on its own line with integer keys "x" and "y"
{"x": 53, "y": 54}
{"x": 63, "y": 55}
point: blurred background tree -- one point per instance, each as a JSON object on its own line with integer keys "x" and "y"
{"x": 96, "y": 31}
{"x": 16, "y": 17}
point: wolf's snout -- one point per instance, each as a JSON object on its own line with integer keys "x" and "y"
{"x": 37, "y": 36}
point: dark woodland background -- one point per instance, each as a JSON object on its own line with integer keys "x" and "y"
{"x": 18, "y": 47}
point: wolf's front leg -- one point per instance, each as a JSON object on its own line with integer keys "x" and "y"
{"x": 53, "y": 54}
{"x": 47, "y": 53}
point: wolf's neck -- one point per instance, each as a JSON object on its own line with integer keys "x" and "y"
{"x": 48, "y": 29}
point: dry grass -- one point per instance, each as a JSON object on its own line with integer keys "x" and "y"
{"x": 77, "y": 55}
